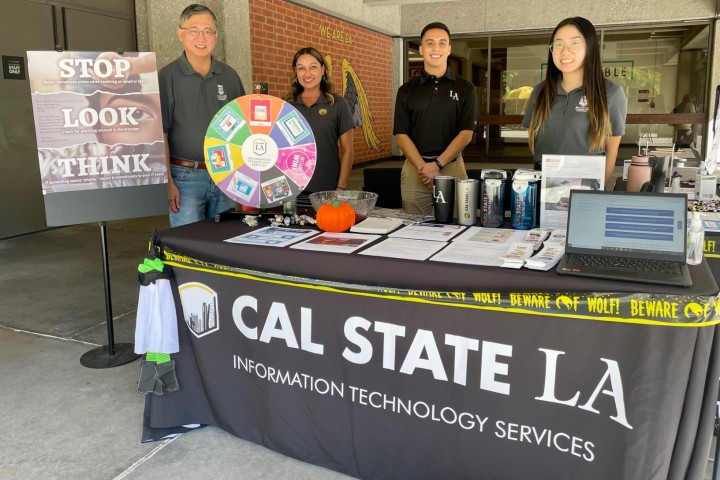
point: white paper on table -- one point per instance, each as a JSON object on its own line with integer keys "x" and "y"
{"x": 406, "y": 248}
{"x": 715, "y": 216}
{"x": 562, "y": 173}
{"x": 490, "y": 237}
{"x": 558, "y": 235}
{"x": 518, "y": 252}
{"x": 336, "y": 242}
{"x": 471, "y": 254}
{"x": 548, "y": 257}
{"x": 438, "y": 232}
{"x": 535, "y": 236}
{"x": 711, "y": 225}
{"x": 273, "y": 236}
{"x": 377, "y": 225}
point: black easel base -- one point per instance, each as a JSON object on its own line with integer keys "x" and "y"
{"x": 100, "y": 357}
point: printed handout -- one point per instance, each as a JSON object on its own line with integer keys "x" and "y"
{"x": 273, "y": 236}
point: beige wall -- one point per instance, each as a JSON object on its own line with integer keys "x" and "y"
{"x": 384, "y": 19}
{"x": 475, "y": 16}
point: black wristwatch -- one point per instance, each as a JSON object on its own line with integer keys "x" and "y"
{"x": 437, "y": 162}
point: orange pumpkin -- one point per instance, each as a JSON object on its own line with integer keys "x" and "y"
{"x": 335, "y": 217}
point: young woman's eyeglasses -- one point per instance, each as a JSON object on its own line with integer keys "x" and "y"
{"x": 194, "y": 32}
{"x": 557, "y": 46}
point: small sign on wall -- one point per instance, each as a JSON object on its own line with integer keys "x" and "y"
{"x": 13, "y": 68}
{"x": 612, "y": 69}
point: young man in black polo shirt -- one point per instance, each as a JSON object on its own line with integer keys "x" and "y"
{"x": 435, "y": 117}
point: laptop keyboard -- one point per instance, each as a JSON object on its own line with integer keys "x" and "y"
{"x": 603, "y": 262}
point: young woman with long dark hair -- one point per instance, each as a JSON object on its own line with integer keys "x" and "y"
{"x": 575, "y": 110}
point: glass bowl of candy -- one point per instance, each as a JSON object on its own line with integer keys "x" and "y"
{"x": 361, "y": 202}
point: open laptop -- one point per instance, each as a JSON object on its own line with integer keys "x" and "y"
{"x": 623, "y": 236}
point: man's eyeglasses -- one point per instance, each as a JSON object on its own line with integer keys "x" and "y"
{"x": 194, "y": 32}
{"x": 557, "y": 46}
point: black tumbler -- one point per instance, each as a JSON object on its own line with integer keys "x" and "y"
{"x": 444, "y": 198}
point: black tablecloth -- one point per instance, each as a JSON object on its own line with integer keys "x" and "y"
{"x": 383, "y": 368}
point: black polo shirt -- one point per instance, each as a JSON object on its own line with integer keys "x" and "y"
{"x": 189, "y": 102}
{"x": 433, "y": 110}
{"x": 328, "y": 123}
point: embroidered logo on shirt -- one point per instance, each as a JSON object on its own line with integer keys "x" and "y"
{"x": 222, "y": 96}
{"x": 454, "y": 96}
{"x": 582, "y": 105}
{"x": 322, "y": 111}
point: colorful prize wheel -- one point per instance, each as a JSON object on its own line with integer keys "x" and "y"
{"x": 260, "y": 151}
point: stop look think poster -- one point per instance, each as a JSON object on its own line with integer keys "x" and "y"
{"x": 99, "y": 129}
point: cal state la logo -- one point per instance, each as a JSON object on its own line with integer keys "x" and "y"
{"x": 200, "y": 308}
{"x": 582, "y": 105}
{"x": 259, "y": 146}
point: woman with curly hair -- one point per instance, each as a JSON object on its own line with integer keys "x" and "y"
{"x": 312, "y": 92}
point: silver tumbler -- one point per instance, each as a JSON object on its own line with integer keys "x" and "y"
{"x": 466, "y": 192}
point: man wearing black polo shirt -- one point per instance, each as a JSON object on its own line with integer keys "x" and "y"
{"x": 435, "y": 117}
{"x": 192, "y": 89}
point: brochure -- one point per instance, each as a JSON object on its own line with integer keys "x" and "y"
{"x": 273, "y": 236}
{"x": 536, "y": 236}
{"x": 558, "y": 235}
{"x": 472, "y": 254}
{"x": 377, "y": 225}
{"x": 516, "y": 255}
{"x": 490, "y": 237}
{"x": 336, "y": 242}
{"x": 562, "y": 173}
{"x": 548, "y": 257}
{"x": 406, "y": 248}
{"x": 439, "y": 232}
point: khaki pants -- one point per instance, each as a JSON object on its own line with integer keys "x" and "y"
{"x": 416, "y": 196}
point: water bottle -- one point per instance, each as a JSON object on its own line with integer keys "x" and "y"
{"x": 493, "y": 197}
{"x": 639, "y": 173}
{"x": 695, "y": 240}
{"x": 523, "y": 199}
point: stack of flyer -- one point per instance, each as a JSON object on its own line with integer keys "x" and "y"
{"x": 377, "y": 225}
{"x": 517, "y": 254}
{"x": 550, "y": 255}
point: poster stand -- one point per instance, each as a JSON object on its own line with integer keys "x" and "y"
{"x": 126, "y": 183}
{"x": 112, "y": 354}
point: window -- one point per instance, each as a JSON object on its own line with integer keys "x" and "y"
{"x": 657, "y": 66}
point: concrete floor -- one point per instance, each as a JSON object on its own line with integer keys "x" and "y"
{"x": 61, "y": 420}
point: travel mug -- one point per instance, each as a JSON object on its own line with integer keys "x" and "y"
{"x": 524, "y": 199}
{"x": 444, "y": 198}
{"x": 467, "y": 192}
{"x": 639, "y": 173}
{"x": 492, "y": 208}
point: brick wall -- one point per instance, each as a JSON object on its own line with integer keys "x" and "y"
{"x": 278, "y": 29}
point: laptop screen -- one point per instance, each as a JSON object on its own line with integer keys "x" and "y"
{"x": 642, "y": 225}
